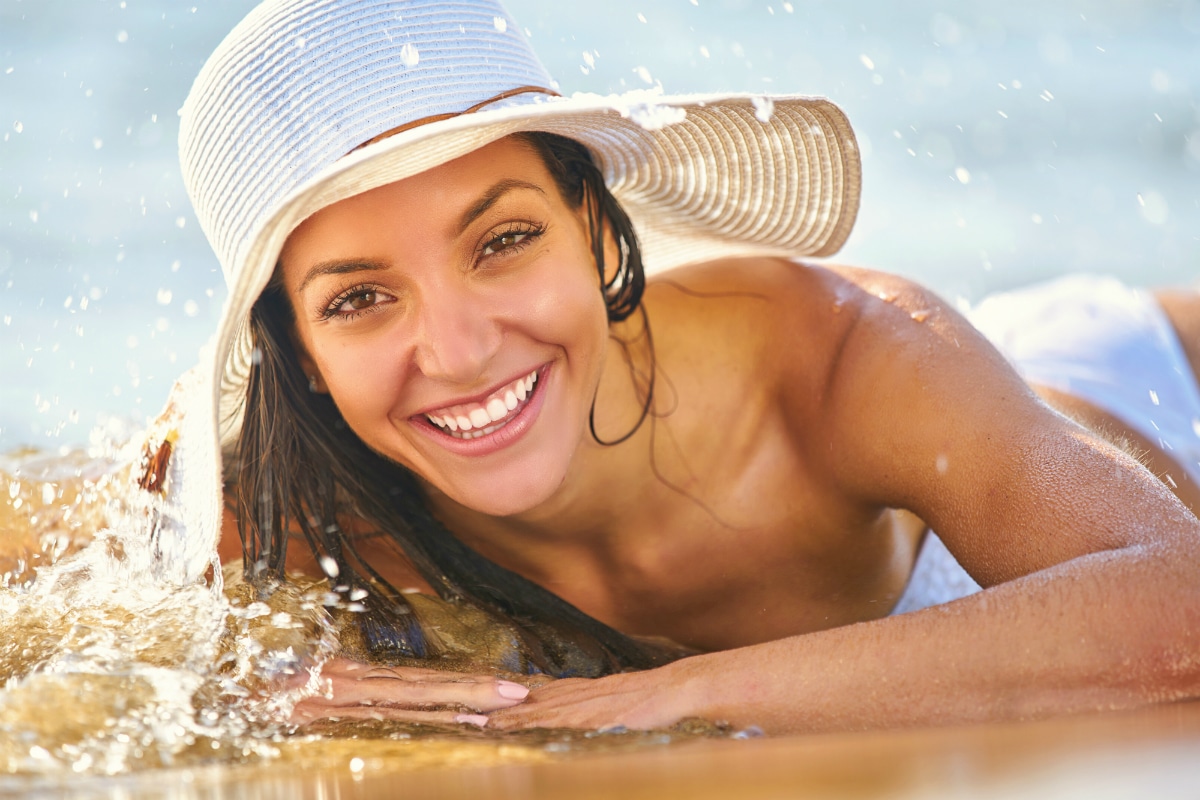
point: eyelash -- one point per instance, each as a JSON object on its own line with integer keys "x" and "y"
{"x": 330, "y": 311}
{"x": 528, "y": 231}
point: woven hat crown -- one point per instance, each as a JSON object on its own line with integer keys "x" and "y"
{"x": 299, "y": 84}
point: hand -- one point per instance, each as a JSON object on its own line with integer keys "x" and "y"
{"x": 353, "y": 690}
{"x": 635, "y": 700}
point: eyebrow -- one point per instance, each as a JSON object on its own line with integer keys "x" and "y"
{"x": 490, "y": 197}
{"x": 338, "y": 267}
{"x": 349, "y": 265}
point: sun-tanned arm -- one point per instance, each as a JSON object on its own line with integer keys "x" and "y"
{"x": 1092, "y": 565}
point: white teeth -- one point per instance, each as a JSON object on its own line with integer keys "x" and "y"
{"x": 479, "y": 421}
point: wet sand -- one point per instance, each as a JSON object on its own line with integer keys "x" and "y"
{"x": 1149, "y": 753}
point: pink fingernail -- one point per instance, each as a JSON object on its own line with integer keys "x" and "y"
{"x": 512, "y": 691}
{"x": 472, "y": 719}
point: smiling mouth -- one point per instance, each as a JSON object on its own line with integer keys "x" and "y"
{"x": 472, "y": 420}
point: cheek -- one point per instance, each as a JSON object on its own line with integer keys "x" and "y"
{"x": 361, "y": 376}
{"x": 565, "y": 306}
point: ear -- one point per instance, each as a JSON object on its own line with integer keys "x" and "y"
{"x": 316, "y": 382}
{"x": 612, "y": 252}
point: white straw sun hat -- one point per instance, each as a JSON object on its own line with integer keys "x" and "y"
{"x": 308, "y": 102}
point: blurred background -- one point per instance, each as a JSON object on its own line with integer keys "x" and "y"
{"x": 1003, "y": 143}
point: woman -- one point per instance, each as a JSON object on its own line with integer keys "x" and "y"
{"x": 439, "y": 328}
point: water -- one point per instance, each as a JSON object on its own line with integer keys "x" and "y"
{"x": 1001, "y": 143}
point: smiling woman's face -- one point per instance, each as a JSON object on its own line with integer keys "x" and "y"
{"x": 456, "y": 319}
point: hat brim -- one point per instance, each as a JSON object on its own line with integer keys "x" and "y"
{"x": 701, "y": 177}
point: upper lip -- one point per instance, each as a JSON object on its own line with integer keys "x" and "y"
{"x": 479, "y": 397}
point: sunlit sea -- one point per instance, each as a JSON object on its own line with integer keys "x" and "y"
{"x": 1003, "y": 143}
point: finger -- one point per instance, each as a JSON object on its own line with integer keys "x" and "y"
{"x": 305, "y": 713}
{"x": 419, "y": 689}
{"x": 519, "y": 718}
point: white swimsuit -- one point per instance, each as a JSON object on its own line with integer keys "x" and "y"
{"x": 1105, "y": 343}
{"x": 1098, "y": 340}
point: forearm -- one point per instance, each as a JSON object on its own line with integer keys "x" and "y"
{"x": 1110, "y": 630}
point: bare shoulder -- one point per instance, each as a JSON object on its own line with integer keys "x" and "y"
{"x": 756, "y": 310}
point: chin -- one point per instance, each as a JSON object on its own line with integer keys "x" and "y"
{"x": 507, "y": 498}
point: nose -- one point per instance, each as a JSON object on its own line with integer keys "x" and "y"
{"x": 456, "y": 335}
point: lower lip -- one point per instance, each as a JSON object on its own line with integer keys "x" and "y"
{"x": 497, "y": 440}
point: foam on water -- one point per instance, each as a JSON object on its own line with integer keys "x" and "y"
{"x": 120, "y": 648}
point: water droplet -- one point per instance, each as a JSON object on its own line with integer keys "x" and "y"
{"x": 1154, "y": 207}
{"x": 163, "y": 297}
{"x": 47, "y": 494}
{"x": 641, "y": 17}
{"x": 409, "y": 55}
{"x": 1154, "y": 397}
{"x": 180, "y": 222}
{"x": 33, "y": 215}
{"x": 357, "y": 764}
{"x": 963, "y": 175}
{"x": 97, "y": 143}
{"x": 18, "y": 126}
{"x": 190, "y": 308}
{"x": 122, "y": 36}
{"x": 764, "y": 107}
{"x": 329, "y": 566}
{"x": 501, "y": 24}
{"x": 644, "y": 74}
{"x": 866, "y": 61}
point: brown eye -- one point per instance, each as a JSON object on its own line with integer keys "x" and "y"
{"x": 361, "y": 300}
{"x": 504, "y": 242}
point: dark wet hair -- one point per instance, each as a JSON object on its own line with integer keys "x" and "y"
{"x": 299, "y": 466}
